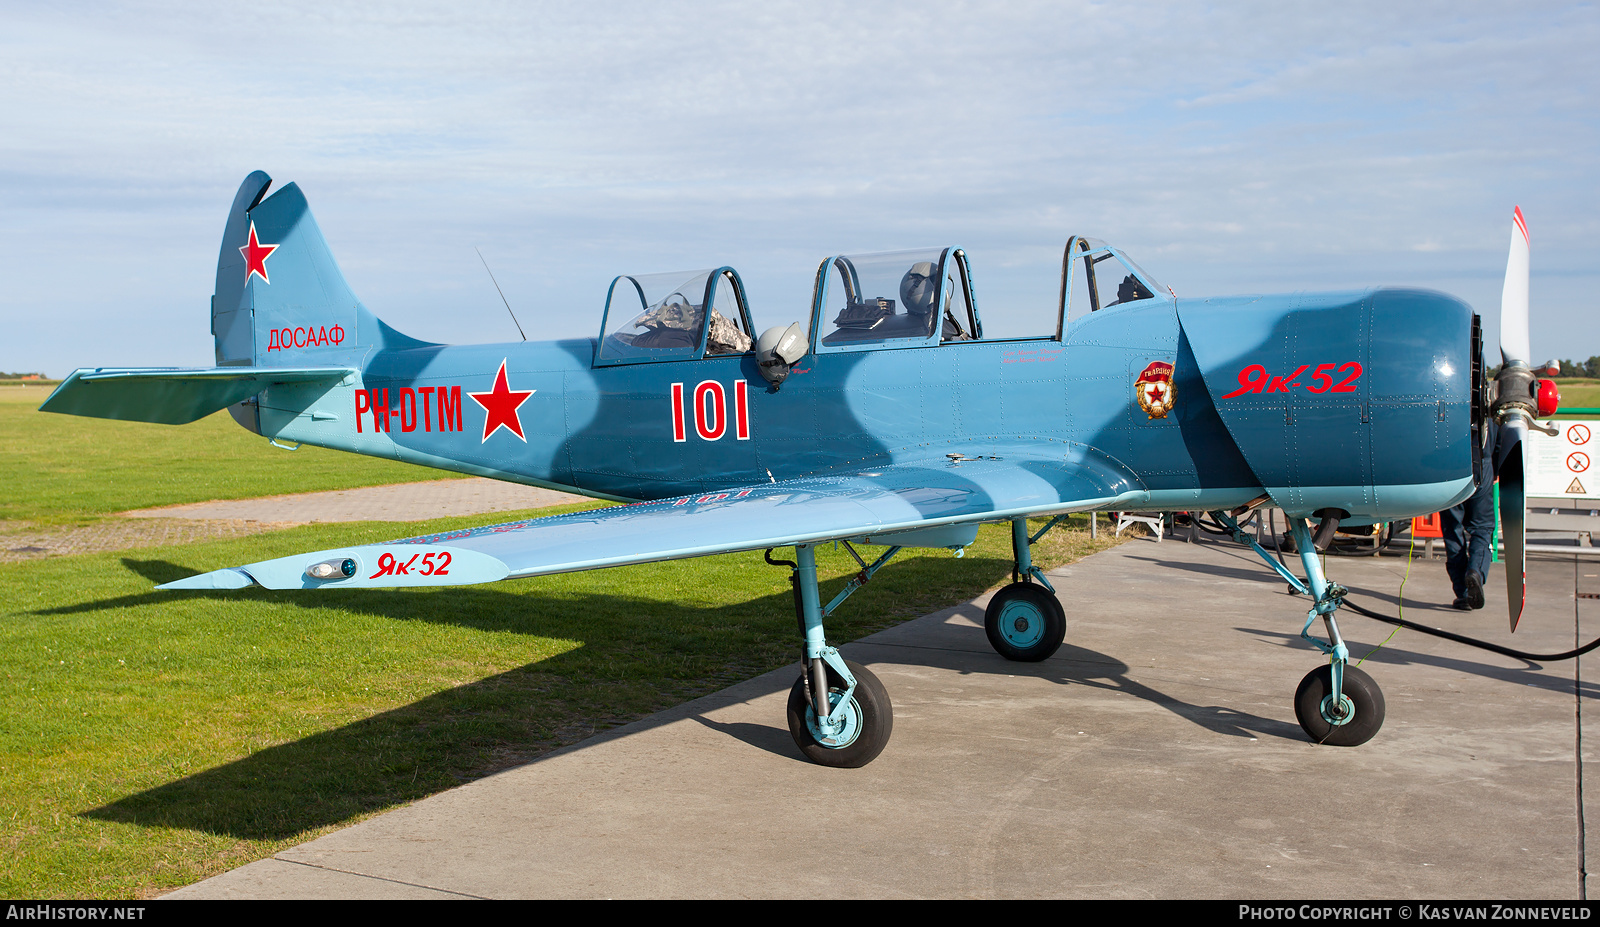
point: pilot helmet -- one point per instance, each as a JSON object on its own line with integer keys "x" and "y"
{"x": 919, "y": 288}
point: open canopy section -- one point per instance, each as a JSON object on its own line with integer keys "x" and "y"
{"x": 1096, "y": 276}
{"x": 683, "y": 315}
{"x": 894, "y": 299}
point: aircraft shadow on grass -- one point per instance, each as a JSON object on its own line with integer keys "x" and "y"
{"x": 521, "y": 715}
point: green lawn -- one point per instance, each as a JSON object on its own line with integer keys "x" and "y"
{"x": 69, "y": 469}
{"x": 1579, "y": 392}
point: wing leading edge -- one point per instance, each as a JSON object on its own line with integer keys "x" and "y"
{"x": 869, "y": 501}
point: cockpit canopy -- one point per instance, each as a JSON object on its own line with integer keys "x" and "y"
{"x": 895, "y": 299}
{"x": 1096, "y": 276}
{"x": 659, "y": 317}
{"x": 892, "y": 299}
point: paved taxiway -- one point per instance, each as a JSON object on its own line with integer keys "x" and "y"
{"x": 397, "y": 502}
{"x": 1156, "y": 755}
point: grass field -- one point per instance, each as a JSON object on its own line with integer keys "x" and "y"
{"x": 66, "y": 469}
{"x": 149, "y": 739}
{"x": 1577, "y": 392}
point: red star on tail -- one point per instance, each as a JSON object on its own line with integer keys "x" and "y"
{"x": 500, "y": 406}
{"x": 255, "y": 256}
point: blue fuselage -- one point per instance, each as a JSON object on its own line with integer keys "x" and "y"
{"x": 1358, "y": 402}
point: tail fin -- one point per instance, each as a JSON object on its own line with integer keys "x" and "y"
{"x": 280, "y": 299}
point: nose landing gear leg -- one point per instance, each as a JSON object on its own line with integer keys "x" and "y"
{"x": 1337, "y": 704}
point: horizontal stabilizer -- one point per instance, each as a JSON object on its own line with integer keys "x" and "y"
{"x": 172, "y": 395}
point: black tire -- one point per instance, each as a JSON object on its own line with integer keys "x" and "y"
{"x": 1025, "y": 623}
{"x": 871, "y": 721}
{"x": 1361, "y": 693}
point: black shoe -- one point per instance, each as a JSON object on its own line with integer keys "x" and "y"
{"x": 1474, "y": 595}
{"x": 1461, "y": 605}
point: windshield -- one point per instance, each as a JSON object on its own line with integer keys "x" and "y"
{"x": 1097, "y": 276}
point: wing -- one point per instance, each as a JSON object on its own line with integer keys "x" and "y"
{"x": 941, "y": 500}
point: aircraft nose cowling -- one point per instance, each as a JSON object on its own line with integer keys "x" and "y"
{"x": 1362, "y": 403}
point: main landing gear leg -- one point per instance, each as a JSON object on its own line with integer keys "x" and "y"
{"x": 1024, "y": 621}
{"x": 1337, "y": 704}
{"x": 839, "y": 713}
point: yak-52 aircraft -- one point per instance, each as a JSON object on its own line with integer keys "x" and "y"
{"x": 891, "y": 421}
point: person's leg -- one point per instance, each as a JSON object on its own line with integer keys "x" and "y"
{"x": 1478, "y": 524}
{"x": 1456, "y": 551}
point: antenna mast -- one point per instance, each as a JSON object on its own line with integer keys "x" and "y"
{"x": 502, "y": 295}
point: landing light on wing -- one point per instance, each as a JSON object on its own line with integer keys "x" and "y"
{"x": 337, "y": 568}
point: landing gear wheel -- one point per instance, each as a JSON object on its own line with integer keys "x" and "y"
{"x": 1025, "y": 623}
{"x": 1362, "y": 705}
{"x": 868, "y": 721}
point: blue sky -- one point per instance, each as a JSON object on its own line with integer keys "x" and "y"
{"x": 1229, "y": 148}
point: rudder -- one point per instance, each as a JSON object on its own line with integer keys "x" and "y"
{"x": 230, "y": 314}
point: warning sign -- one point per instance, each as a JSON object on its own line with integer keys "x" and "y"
{"x": 1555, "y": 462}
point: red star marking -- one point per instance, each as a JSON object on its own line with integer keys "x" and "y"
{"x": 255, "y": 256}
{"x": 500, "y": 406}
{"x": 1155, "y": 393}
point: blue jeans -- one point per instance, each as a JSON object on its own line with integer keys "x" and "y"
{"x": 1468, "y": 534}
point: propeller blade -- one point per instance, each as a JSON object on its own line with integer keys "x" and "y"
{"x": 1514, "y": 515}
{"x": 1513, "y": 409}
{"x": 1514, "y": 347}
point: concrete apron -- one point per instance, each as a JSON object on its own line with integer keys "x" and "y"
{"x": 1156, "y": 755}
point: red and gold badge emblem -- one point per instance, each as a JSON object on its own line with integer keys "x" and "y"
{"x": 1154, "y": 390}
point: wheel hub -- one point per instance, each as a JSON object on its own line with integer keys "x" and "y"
{"x": 846, "y": 726}
{"x": 1021, "y": 624}
{"x": 1342, "y": 713}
